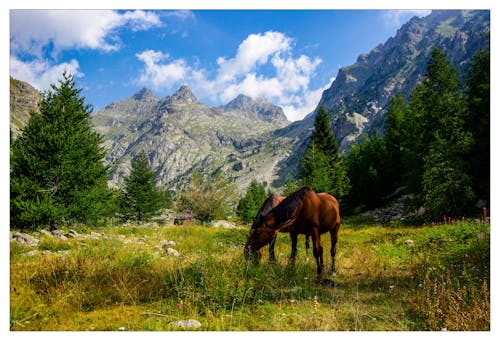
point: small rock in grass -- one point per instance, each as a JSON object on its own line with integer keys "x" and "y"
{"x": 186, "y": 324}
{"x": 172, "y": 252}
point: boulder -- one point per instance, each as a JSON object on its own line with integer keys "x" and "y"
{"x": 24, "y": 239}
{"x": 186, "y": 324}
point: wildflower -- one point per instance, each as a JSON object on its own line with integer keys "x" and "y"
{"x": 179, "y": 305}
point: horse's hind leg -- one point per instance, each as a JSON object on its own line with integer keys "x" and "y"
{"x": 318, "y": 252}
{"x": 333, "y": 250}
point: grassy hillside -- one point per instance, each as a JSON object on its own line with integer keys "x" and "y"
{"x": 389, "y": 278}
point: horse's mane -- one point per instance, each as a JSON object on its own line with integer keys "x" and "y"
{"x": 267, "y": 206}
{"x": 286, "y": 209}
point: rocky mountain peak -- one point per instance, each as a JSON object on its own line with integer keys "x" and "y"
{"x": 184, "y": 95}
{"x": 144, "y": 95}
{"x": 265, "y": 111}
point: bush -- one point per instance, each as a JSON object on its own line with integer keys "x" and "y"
{"x": 208, "y": 197}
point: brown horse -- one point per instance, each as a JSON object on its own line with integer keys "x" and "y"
{"x": 304, "y": 212}
{"x": 272, "y": 201}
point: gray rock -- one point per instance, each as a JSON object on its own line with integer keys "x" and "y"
{"x": 71, "y": 234}
{"x": 24, "y": 239}
{"x": 223, "y": 223}
{"x": 164, "y": 245}
{"x": 186, "y": 324}
{"x": 172, "y": 252}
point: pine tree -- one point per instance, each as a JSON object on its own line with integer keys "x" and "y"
{"x": 57, "y": 171}
{"x": 249, "y": 205}
{"x": 322, "y": 168}
{"x": 436, "y": 141}
{"x": 369, "y": 173}
{"x": 394, "y": 132}
{"x": 478, "y": 121}
{"x": 141, "y": 198}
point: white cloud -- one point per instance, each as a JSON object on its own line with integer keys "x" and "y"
{"x": 34, "y": 30}
{"x": 254, "y": 50}
{"x": 40, "y": 73}
{"x": 161, "y": 76}
{"x": 285, "y": 82}
{"x": 396, "y": 18}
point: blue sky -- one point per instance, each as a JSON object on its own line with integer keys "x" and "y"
{"x": 286, "y": 56}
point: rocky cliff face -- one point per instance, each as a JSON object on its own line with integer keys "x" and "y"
{"x": 181, "y": 134}
{"x": 358, "y": 98}
{"x": 23, "y": 100}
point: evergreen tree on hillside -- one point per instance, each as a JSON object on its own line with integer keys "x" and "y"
{"x": 478, "y": 121}
{"x": 249, "y": 205}
{"x": 394, "y": 133}
{"x": 322, "y": 168}
{"x": 369, "y": 174}
{"x": 141, "y": 198}
{"x": 443, "y": 142}
{"x": 57, "y": 173}
{"x": 436, "y": 110}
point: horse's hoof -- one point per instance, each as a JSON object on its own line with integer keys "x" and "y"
{"x": 327, "y": 282}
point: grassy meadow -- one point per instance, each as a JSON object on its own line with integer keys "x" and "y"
{"x": 388, "y": 278}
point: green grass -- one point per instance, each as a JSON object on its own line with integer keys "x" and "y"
{"x": 122, "y": 279}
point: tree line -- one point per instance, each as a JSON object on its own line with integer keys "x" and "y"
{"x": 436, "y": 147}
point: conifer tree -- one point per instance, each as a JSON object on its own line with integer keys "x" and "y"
{"x": 478, "y": 121}
{"x": 57, "y": 171}
{"x": 141, "y": 198}
{"x": 322, "y": 168}
{"x": 249, "y": 205}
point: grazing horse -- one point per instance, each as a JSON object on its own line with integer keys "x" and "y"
{"x": 303, "y": 212}
{"x": 272, "y": 201}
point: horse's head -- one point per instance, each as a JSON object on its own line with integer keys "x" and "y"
{"x": 260, "y": 235}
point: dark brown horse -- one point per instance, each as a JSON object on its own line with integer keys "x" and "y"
{"x": 303, "y": 212}
{"x": 272, "y": 201}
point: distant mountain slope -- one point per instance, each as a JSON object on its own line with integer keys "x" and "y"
{"x": 24, "y": 98}
{"x": 179, "y": 134}
{"x": 358, "y": 97}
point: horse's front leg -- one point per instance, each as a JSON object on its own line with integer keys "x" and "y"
{"x": 293, "y": 255}
{"x": 334, "y": 238}
{"x": 272, "y": 257}
{"x": 317, "y": 251}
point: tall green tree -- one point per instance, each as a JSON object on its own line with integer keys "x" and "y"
{"x": 322, "y": 168}
{"x": 141, "y": 198}
{"x": 57, "y": 174}
{"x": 250, "y": 203}
{"x": 369, "y": 174}
{"x": 478, "y": 121}
{"x": 436, "y": 109}
{"x": 394, "y": 133}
